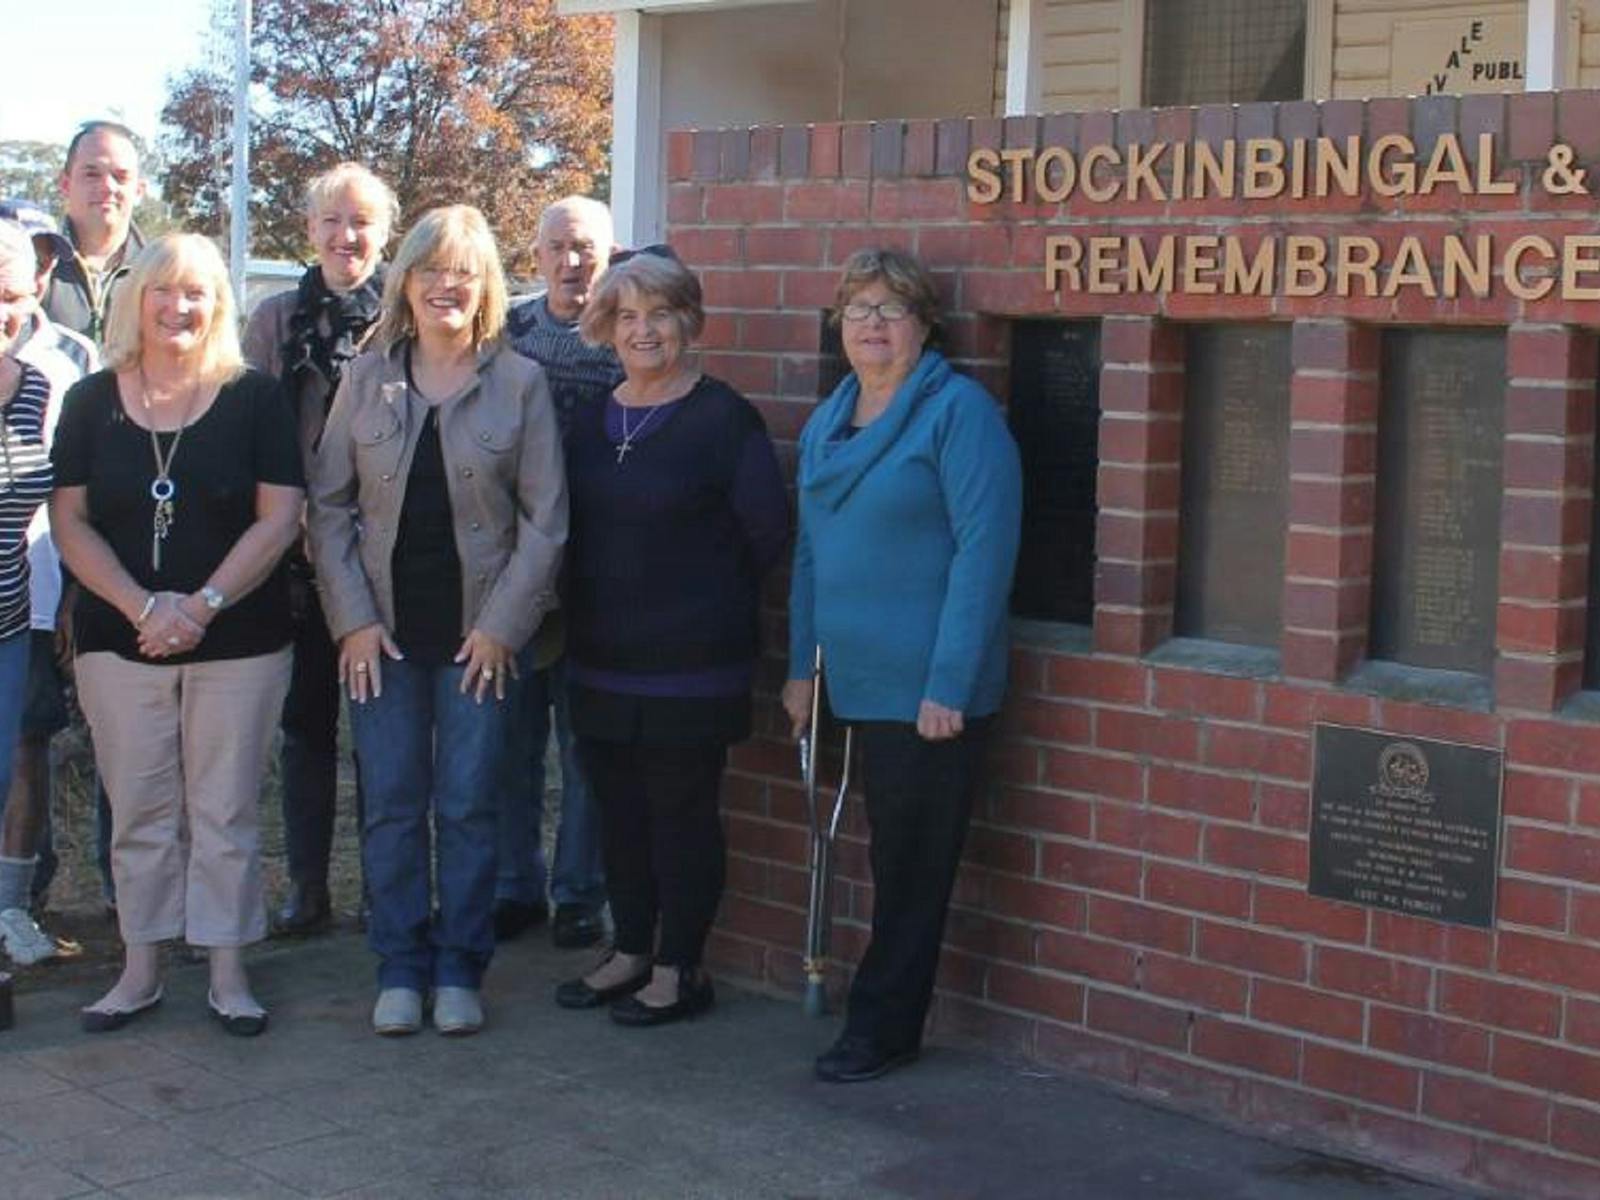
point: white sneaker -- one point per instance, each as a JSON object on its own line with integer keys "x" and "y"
{"x": 398, "y": 1012}
{"x": 457, "y": 1011}
{"x": 24, "y": 941}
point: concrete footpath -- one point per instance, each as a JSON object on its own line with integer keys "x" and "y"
{"x": 547, "y": 1103}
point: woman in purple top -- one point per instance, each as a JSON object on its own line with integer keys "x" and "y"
{"x": 678, "y": 510}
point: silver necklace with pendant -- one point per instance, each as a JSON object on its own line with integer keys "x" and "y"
{"x": 628, "y": 438}
{"x": 162, "y": 488}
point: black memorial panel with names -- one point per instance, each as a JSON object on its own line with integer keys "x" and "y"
{"x": 1232, "y": 525}
{"x": 1437, "y": 550}
{"x": 1055, "y": 416}
{"x": 1405, "y": 823}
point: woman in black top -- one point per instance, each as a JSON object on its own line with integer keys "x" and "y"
{"x": 678, "y": 510}
{"x": 178, "y": 489}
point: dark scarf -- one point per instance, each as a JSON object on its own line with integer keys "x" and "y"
{"x": 349, "y": 316}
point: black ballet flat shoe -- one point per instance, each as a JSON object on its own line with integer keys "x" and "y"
{"x": 575, "y": 993}
{"x": 109, "y": 1020}
{"x": 695, "y": 996}
{"x": 854, "y": 1059}
{"x": 248, "y": 1024}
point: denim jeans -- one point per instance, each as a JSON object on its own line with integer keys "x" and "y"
{"x": 13, "y": 695}
{"x": 579, "y": 875}
{"x": 423, "y": 749}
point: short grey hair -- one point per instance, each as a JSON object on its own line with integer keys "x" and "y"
{"x": 583, "y": 208}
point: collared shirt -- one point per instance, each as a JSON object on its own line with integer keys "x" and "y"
{"x": 79, "y": 298}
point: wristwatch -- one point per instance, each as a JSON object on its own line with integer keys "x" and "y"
{"x": 213, "y": 598}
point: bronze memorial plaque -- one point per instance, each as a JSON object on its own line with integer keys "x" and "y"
{"x": 1055, "y": 415}
{"x": 1437, "y": 549}
{"x": 1235, "y": 483}
{"x": 1405, "y": 823}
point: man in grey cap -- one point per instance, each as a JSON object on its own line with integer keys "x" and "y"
{"x": 27, "y": 857}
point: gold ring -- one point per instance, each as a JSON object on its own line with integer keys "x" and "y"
{"x": 362, "y": 667}
{"x": 172, "y": 641}
{"x": 487, "y": 672}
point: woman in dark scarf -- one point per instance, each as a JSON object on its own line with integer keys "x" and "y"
{"x": 305, "y": 338}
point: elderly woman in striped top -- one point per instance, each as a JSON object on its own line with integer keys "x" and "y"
{"x": 24, "y": 484}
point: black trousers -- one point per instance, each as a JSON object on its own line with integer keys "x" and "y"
{"x": 310, "y": 755}
{"x": 662, "y": 837}
{"x": 919, "y": 801}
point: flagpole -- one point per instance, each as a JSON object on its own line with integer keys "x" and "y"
{"x": 239, "y": 218}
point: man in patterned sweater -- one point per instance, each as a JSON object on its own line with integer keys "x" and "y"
{"x": 575, "y": 241}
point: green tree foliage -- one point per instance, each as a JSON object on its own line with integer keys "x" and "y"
{"x": 497, "y": 103}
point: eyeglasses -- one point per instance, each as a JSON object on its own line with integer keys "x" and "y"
{"x": 436, "y": 275}
{"x": 889, "y": 310}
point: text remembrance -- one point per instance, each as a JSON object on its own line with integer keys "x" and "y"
{"x": 1257, "y": 260}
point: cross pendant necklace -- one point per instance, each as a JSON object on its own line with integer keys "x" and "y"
{"x": 628, "y": 438}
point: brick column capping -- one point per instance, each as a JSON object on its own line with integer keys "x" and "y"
{"x": 1141, "y": 439}
{"x": 1545, "y": 519}
{"x": 1333, "y": 413}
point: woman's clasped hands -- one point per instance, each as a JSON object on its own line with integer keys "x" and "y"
{"x": 166, "y": 630}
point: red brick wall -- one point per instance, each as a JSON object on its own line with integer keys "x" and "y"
{"x": 1133, "y": 901}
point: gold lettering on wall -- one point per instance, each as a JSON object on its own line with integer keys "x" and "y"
{"x": 1262, "y": 171}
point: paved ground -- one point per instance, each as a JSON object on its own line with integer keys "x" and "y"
{"x": 548, "y": 1103}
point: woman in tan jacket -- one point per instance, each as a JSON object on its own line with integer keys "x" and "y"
{"x": 438, "y": 516}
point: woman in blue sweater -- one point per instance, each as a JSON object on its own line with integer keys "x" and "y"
{"x": 910, "y": 496}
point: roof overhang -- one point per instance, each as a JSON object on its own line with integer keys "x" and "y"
{"x": 575, "y": 8}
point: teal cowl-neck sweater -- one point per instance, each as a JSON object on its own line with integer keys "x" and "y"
{"x": 908, "y": 538}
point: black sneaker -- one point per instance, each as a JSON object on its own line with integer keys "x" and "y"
{"x": 855, "y": 1059}
{"x": 576, "y": 926}
{"x": 512, "y": 918}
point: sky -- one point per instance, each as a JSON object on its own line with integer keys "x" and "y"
{"x": 94, "y": 58}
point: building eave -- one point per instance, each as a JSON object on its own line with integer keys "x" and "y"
{"x": 577, "y": 8}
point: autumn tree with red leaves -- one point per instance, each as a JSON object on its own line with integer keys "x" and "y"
{"x": 497, "y": 103}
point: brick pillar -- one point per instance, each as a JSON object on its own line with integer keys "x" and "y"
{"x": 1136, "y": 540}
{"x": 1545, "y": 518}
{"x": 1333, "y": 444}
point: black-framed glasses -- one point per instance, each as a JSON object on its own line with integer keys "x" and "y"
{"x": 889, "y": 310}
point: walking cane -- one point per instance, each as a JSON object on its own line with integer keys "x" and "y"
{"x": 824, "y": 826}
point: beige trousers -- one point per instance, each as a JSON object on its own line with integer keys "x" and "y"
{"x": 182, "y": 751}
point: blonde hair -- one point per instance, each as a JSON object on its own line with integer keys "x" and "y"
{"x": 456, "y": 234}
{"x": 644, "y": 274}
{"x": 176, "y": 256}
{"x": 325, "y": 188}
